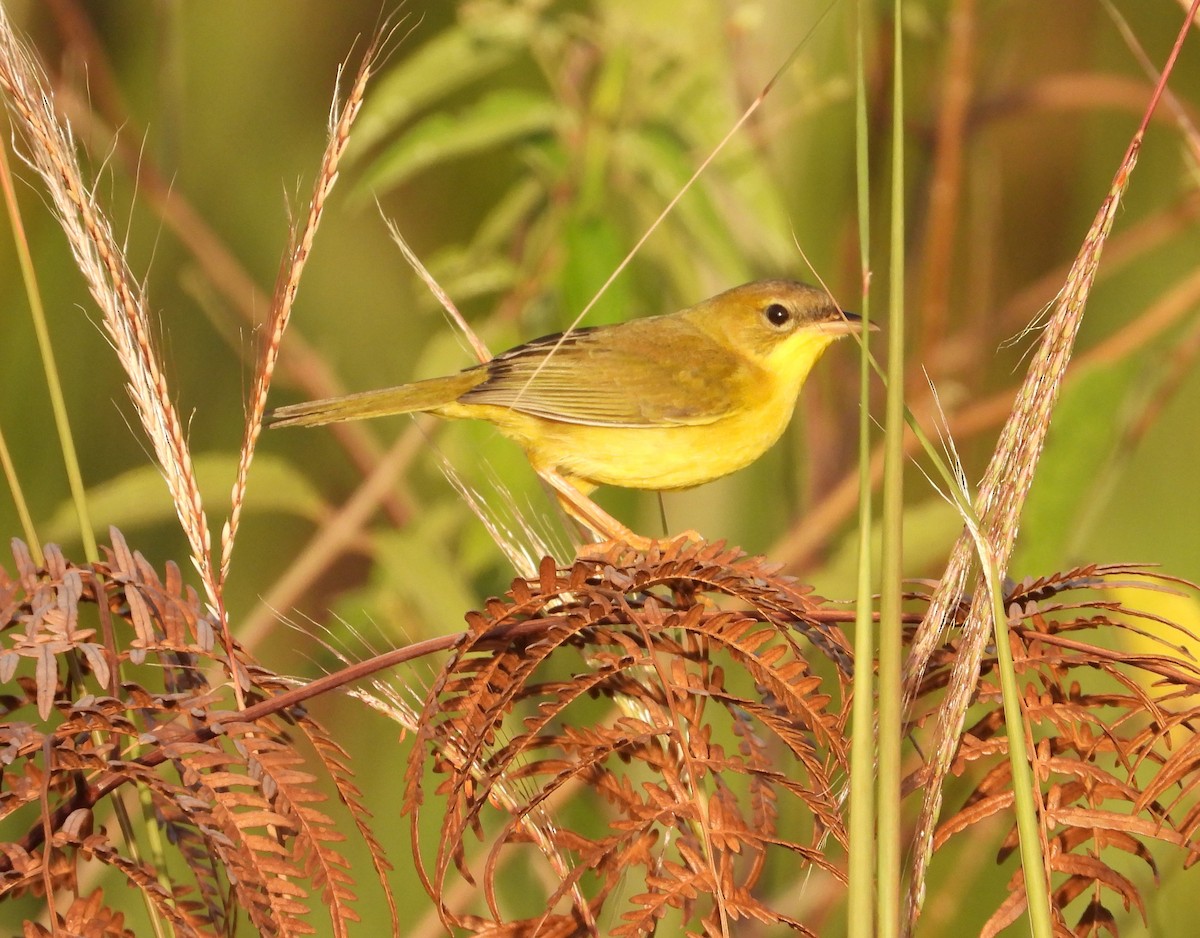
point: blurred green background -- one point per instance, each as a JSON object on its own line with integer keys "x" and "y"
{"x": 523, "y": 148}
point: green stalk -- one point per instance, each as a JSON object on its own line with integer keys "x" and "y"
{"x": 860, "y": 915}
{"x": 14, "y": 486}
{"x": 889, "y": 860}
{"x": 79, "y": 496}
{"x": 57, "y": 402}
{"x": 1037, "y": 892}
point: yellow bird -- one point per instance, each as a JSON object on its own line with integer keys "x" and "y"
{"x": 665, "y": 402}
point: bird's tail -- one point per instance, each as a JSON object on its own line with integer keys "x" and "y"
{"x": 405, "y": 399}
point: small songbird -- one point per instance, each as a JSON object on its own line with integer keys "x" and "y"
{"x": 665, "y": 402}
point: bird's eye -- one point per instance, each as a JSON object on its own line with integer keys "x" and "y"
{"x": 778, "y": 315}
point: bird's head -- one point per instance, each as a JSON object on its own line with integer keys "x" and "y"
{"x": 782, "y": 326}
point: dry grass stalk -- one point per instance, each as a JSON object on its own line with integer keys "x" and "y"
{"x": 482, "y": 353}
{"x": 1002, "y": 495}
{"x": 51, "y": 153}
{"x": 288, "y": 283}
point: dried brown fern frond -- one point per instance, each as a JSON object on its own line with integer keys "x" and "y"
{"x": 87, "y": 915}
{"x": 231, "y": 793}
{"x": 1113, "y": 743}
{"x": 675, "y": 692}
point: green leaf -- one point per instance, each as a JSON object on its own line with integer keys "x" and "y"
{"x": 500, "y": 118}
{"x": 594, "y": 248}
{"x": 450, "y": 61}
{"x": 663, "y": 165}
{"x": 138, "y": 498}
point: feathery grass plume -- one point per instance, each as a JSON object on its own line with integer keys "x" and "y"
{"x": 50, "y": 151}
{"x": 1002, "y": 494}
{"x": 341, "y": 119}
{"x": 299, "y": 361}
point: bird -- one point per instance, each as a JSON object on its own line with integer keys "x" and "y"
{"x": 662, "y": 402}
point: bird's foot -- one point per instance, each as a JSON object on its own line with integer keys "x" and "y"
{"x": 611, "y": 549}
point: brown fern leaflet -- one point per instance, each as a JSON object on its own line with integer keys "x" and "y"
{"x": 1114, "y": 743}
{"x": 106, "y": 670}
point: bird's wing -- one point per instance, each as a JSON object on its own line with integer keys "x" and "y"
{"x": 645, "y": 373}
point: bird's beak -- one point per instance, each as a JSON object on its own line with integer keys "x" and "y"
{"x": 845, "y": 324}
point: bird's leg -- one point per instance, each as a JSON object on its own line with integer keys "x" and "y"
{"x": 576, "y": 504}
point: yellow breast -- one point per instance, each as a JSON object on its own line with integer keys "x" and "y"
{"x": 669, "y": 457}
